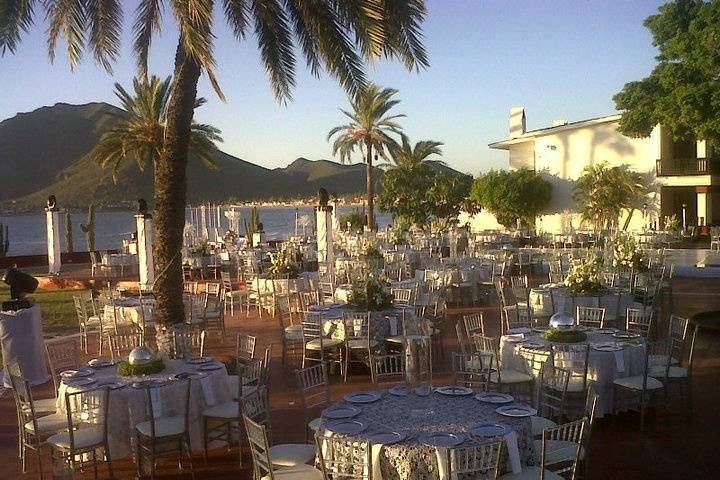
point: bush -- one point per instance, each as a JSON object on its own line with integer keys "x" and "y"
{"x": 355, "y": 218}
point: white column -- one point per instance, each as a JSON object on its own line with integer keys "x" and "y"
{"x": 145, "y": 252}
{"x": 203, "y": 223}
{"x": 53, "y": 241}
{"x": 323, "y": 216}
{"x": 702, "y": 208}
{"x": 335, "y": 220}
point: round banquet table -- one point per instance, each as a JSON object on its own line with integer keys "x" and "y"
{"x": 128, "y": 405}
{"x": 603, "y": 367}
{"x": 383, "y": 324}
{"x": 544, "y": 298}
{"x": 129, "y": 311}
{"x": 414, "y": 416}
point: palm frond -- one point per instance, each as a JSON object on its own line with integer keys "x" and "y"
{"x": 148, "y": 15}
{"x": 105, "y": 18}
{"x": 16, "y": 17}
{"x": 67, "y": 18}
{"x": 237, "y": 16}
{"x": 276, "y": 46}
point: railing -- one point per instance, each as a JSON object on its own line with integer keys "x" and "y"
{"x": 687, "y": 166}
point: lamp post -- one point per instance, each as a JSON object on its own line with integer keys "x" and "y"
{"x": 684, "y": 216}
{"x": 645, "y": 217}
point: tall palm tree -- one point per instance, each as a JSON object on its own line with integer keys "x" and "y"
{"x": 369, "y": 130}
{"x": 408, "y": 157}
{"x": 140, "y": 128}
{"x": 337, "y": 36}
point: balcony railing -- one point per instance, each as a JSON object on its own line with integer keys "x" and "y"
{"x": 687, "y": 166}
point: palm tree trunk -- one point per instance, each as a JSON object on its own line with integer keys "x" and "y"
{"x": 370, "y": 187}
{"x": 170, "y": 200}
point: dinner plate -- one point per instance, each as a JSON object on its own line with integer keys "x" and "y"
{"x": 489, "y": 430}
{"x": 362, "y": 397}
{"x": 494, "y": 397}
{"x": 112, "y": 383}
{"x": 337, "y": 412}
{"x": 423, "y": 390}
{"x": 606, "y": 347}
{"x": 78, "y": 382}
{"x": 626, "y": 335}
{"x": 399, "y": 391}
{"x": 605, "y": 331}
{"x": 514, "y": 331}
{"x": 515, "y": 339}
{"x": 387, "y": 437}
{"x": 198, "y": 360}
{"x": 534, "y": 344}
{"x": 100, "y": 363}
{"x": 516, "y": 410}
{"x": 208, "y": 367}
{"x": 348, "y": 427}
{"x": 79, "y": 373}
{"x": 540, "y": 329}
{"x": 454, "y": 390}
{"x": 441, "y": 439}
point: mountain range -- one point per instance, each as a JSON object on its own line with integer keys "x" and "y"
{"x": 45, "y": 152}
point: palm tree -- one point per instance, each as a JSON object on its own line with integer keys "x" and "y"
{"x": 408, "y": 157}
{"x": 602, "y": 193}
{"x": 140, "y": 128}
{"x": 335, "y": 35}
{"x": 369, "y": 128}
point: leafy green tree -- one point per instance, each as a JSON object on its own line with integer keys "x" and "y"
{"x": 404, "y": 193}
{"x": 369, "y": 129}
{"x": 682, "y": 91}
{"x": 512, "y": 194}
{"x": 354, "y": 218}
{"x": 336, "y": 36}
{"x": 140, "y": 129}
{"x": 449, "y": 195}
{"x": 603, "y": 193}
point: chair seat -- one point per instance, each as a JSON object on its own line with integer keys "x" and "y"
{"x": 636, "y": 383}
{"x": 83, "y": 437}
{"x": 557, "y": 451}
{"x": 93, "y": 321}
{"x": 396, "y": 339}
{"x": 49, "y": 423}
{"x": 164, "y": 427}
{"x": 212, "y": 314}
{"x": 298, "y": 472}
{"x": 291, "y": 454}
{"x": 294, "y": 332}
{"x": 541, "y": 423}
{"x": 673, "y": 372}
{"x": 314, "y": 425}
{"x": 531, "y": 473}
{"x": 232, "y": 383}
{"x": 360, "y": 343}
{"x": 511, "y": 376}
{"x": 227, "y": 410}
{"x": 659, "y": 360}
{"x": 326, "y": 343}
{"x": 237, "y": 294}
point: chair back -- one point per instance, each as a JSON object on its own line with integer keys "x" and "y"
{"x": 314, "y": 386}
{"x": 155, "y": 410}
{"x": 190, "y": 287}
{"x": 245, "y": 346}
{"x": 591, "y": 405}
{"x": 678, "y": 328}
{"x": 639, "y": 321}
{"x": 388, "y": 369}
{"x": 473, "y": 369}
{"x": 259, "y": 448}
{"x": 309, "y": 299}
{"x": 62, "y": 353}
{"x": 590, "y": 316}
{"x": 480, "y": 461}
{"x": 474, "y": 323}
{"x": 402, "y": 296}
{"x": 516, "y": 316}
{"x": 573, "y": 357}
{"x": 193, "y": 338}
{"x": 23, "y": 396}
{"x": 553, "y": 391}
{"x": 571, "y": 434}
{"x": 213, "y": 289}
{"x": 124, "y": 340}
{"x": 343, "y": 458}
{"x": 87, "y": 407}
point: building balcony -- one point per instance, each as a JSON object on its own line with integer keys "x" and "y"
{"x": 676, "y": 167}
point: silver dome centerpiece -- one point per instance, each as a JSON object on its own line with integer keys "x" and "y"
{"x": 562, "y": 320}
{"x": 141, "y": 355}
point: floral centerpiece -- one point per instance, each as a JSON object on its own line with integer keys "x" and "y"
{"x": 556, "y": 335}
{"x": 370, "y": 293}
{"x": 626, "y": 254}
{"x": 672, "y": 224}
{"x": 202, "y": 248}
{"x": 283, "y": 265}
{"x": 373, "y": 257}
{"x": 126, "y": 369}
{"x": 585, "y": 277}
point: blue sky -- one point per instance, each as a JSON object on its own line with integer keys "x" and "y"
{"x": 559, "y": 58}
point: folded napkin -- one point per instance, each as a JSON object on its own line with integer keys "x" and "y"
{"x": 513, "y": 451}
{"x": 208, "y": 391}
{"x": 156, "y": 402}
{"x": 620, "y": 361}
{"x": 393, "y": 326}
{"x": 375, "y": 461}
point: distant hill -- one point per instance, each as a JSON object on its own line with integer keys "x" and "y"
{"x": 45, "y": 151}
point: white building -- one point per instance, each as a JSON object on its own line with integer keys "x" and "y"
{"x": 679, "y": 172}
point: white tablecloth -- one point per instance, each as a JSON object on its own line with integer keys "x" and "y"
{"x": 543, "y": 299}
{"x": 603, "y": 367}
{"x": 128, "y": 405}
{"x": 21, "y": 337}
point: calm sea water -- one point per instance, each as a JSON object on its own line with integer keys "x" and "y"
{"x": 28, "y": 234}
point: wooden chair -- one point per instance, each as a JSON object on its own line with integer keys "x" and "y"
{"x": 639, "y": 321}
{"x": 359, "y": 344}
{"x": 63, "y": 353}
{"x": 314, "y": 389}
{"x": 388, "y": 370}
{"x": 317, "y": 347}
{"x": 122, "y": 341}
{"x": 473, "y": 369}
{"x": 477, "y": 461}
{"x": 88, "y": 322}
{"x": 474, "y": 323}
{"x": 590, "y": 317}
{"x": 292, "y": 340}
{"x": 193, "y": 339}
{"x": 344, "y": 458}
